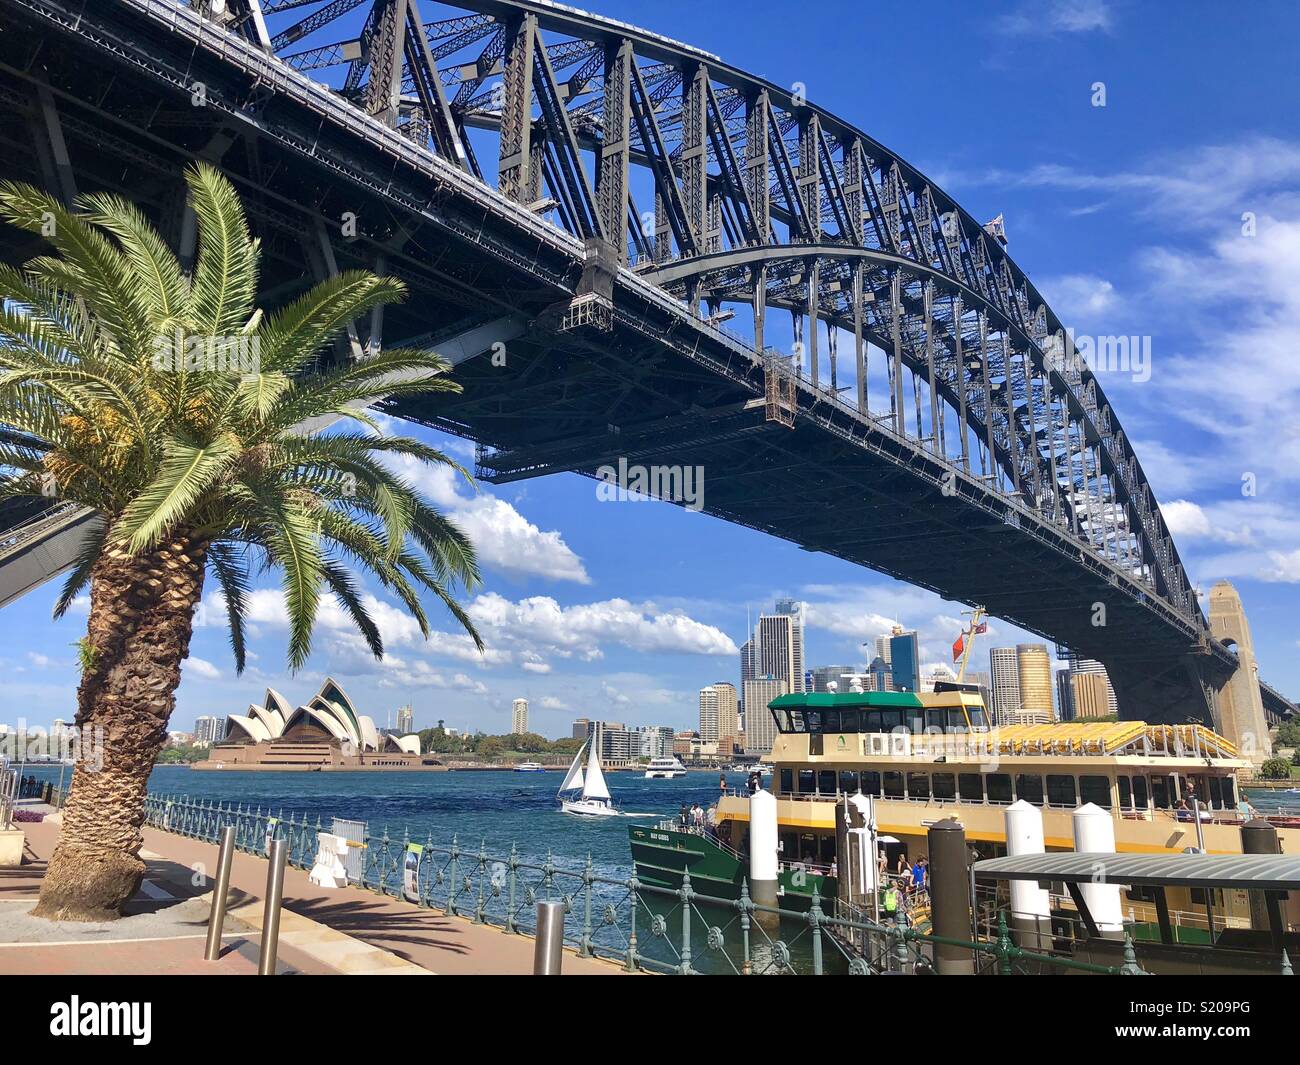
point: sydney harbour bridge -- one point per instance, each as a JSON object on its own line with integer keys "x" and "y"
{"x": 578, "y": 206}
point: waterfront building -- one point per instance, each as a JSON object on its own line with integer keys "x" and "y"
{"x": 1004, "y": 680}
{"x": 615, "y": 743}
{"x": 760, "y": 727}
{"x": 207, "y": 730}
{"x": 580, "y": 728}
{"x": 1089, "y": 696}
{"x": 682, "y": 744}
{"x": 519, "y": 717}
{"x": 778, "y": 643}
{"x": 719, "y": 711}
{"x": 405, "y": 720}
{"x": 656, "y": 741}
{"x": 325, "y": 733}
{"x": 1092, "y": 667}
{"x": 794, "y": 610}
{"x": 1034, "y": 669}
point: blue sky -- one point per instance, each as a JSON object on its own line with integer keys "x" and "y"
{"x": 1128, "y": 217}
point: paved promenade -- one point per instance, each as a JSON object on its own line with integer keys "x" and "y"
{"x": 347, "y": 930}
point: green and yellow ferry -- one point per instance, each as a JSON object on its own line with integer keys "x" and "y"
{"x": 924, "y": 757}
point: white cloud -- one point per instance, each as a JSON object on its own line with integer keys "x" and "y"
{"x": 201, "y": 667}
{"x": 1058, "y": 16}
{"x": 1284, "y": 567}
{"x": 503, "y": 537}
{"x": 39, "y": 660}
{"x": 540, "y": 623}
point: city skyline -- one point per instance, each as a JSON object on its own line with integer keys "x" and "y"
{"x": 599, "y": 608}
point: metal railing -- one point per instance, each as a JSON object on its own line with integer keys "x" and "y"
{"x": 645, "y": 927}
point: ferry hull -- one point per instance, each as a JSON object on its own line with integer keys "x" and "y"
{"x": 661, "y": 857}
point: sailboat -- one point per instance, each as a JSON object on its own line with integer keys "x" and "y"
{"x": 588, "y": 795}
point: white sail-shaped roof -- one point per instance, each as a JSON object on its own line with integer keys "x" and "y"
{"x": 270, "y": 718}
{"x": 594, "y": 788}
{"x": 369, "y": 734}
{"x": 255, "y": 730}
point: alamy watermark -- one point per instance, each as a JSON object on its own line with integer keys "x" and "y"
{"x": 183, "y": 352}
{"x": 675, "y": 484}
{"x": 1100, "y": 354}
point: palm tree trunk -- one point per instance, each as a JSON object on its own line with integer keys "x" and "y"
{"x": 141, "y": 618}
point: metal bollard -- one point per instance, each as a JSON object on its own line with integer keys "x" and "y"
{"x": 217, "y": 918}
{"x": 274, "y": 902}
{"x": 549, "y": 948}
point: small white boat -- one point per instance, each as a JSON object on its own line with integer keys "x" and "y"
{"x": 530, "y": 767}
{"x": 588, "y": 795}
{"x": 664, "y": 769}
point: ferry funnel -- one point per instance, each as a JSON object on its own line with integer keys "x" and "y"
{"x": 1031, "y": 919}
{"x": 763, "y": 864}
{"x": 1094, "y": 833}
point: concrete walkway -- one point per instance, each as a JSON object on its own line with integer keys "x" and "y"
{"x": 347, "y": 930}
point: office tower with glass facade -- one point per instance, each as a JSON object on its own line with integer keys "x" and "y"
{"x": 905, "y": 660}
{"x": 760, "y": 725}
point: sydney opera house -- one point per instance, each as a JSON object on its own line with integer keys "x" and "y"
{"x": 326, "y": 732}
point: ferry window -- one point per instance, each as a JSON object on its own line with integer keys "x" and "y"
{"x": 972, "y": 787}
{"x": 893, "y": 785}
{"x": 830, "y": 721}
{"x": 914, "y": 720}
{"x": 796, "y": 721}
{"x": 872, "y": 721}
{"x": 871, "y": 783}
{"x": 1029, "y": 786}
{"x": 1140, "y": 797}
{"x": 1060, "y": 790}
{"x": 918, "y": 785}
{"x": 999, "y": 787}
{"x": 1160, "y": 792}
{"x": 1216, "y": 793}
{"x": 1125, "y": 793}
{"x": 806, "y": 782}
{"x": 848, "y": 782}
{"x": 956, "y": 719}
{"x": 826, "y": 781}
{"x": 849, "y": 721}
{"x": 890, "y": 720}
{"x": 1229, "y": 793}
{"x": 1198, "y": 897}
{"x": 814, "y": 719}
{"x": 936, "y": 718}
{"x": 787, "y": 781}
{"x": 1095, "y": 789}
{"x": 978, "y": 717}
{"x": 944, "y": 786}
{"x": 1141, "y": 894}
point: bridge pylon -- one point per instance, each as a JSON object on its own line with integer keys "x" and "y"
{"x": 1239, "y": 707}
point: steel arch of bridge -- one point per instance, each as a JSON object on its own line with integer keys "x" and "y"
{"x": 420, "y": 107}
{"x": 763, "y": 198}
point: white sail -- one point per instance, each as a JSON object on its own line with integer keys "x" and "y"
{"x": 594, "y": 788}
{"x": 573, "y": 778}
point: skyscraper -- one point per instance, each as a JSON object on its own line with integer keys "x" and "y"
{"x": 1088, "y": 692}
{"x": 794, "y": 609}
{"x": 1034, "y": 668}
{"x": 1092, "y": 667}
{"x": 822, "y": 677}
{"x": 747, "y": 670}
{"x": 760, "y": 726}
{"x": 905, "y": 660}
{"x": 1065, "y": 694}
{"x": 719, "y": 715}
{"x": 580, "y": 728}
{"x": 519, "y": 717}
{"x": 405, "y": 720}
{"x": 779, "y": 649}
{"x": 1005, "y": 680}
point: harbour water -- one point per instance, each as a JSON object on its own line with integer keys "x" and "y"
{"x": 496, "y": 808}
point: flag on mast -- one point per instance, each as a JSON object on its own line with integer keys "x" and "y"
{"x": 958, "y": 647}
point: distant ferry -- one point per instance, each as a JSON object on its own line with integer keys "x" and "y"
{"x": 530, "y": 767}
{"x": 664, "y": 769}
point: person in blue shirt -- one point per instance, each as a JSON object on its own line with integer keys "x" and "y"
{"x": 918, "y": 875}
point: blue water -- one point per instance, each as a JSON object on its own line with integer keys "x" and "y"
{"x": 495, "y": 808}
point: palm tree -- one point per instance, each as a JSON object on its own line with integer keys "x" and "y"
{"x": 172, "y": 406}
